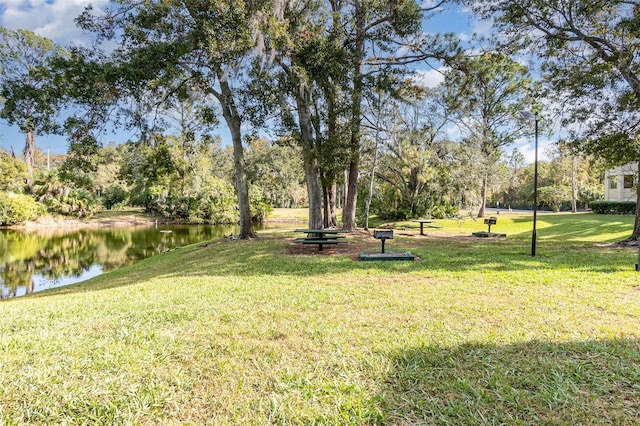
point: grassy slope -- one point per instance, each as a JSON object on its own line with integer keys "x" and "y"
{"x": 476, "y": 332}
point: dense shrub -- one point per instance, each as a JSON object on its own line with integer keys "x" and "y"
{"x": 73, "y": 202}
{"x": 436, "y": 211}
{"x": 554, "y": 196}
{"x": 213, "y": 201}
{"x": 588, "y": 194}
{"x": 114, "y": 196}
{"x": 443, "y": 211}
{"x": 13, "y": 173}
{"x": 613, "y": 207}
{"x": 394, "y": 214}
{"x": 18, "y": 208}
{"x": 260, "y": 206}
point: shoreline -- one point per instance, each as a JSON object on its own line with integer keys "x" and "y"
{"x": 112, "y": 219}
{"x": 48, "y": 222}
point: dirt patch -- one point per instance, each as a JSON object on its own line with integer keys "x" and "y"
{"x": 357, "y": 242}
{"x": 620, "y": 244}
{"x": 350, "y": 248}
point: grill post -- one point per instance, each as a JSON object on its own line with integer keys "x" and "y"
{"x": 383, "y": 236}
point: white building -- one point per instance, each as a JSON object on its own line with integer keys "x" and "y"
{"x": 619, "y": 184}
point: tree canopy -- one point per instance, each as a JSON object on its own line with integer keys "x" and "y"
{"x": 316, "y": 95}
{"x": 28, "y": 98}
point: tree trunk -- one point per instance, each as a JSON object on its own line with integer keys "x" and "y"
{"x": 330, "y": 197}
{"x": 345, "y": 174}
{"x": 314, "y": 190}
{"x": 29, "y": 157}
{"x": 233, "y": 120}
{"x": 574, "y": 202}
{"x": 483, "y": 196}
{"x": 636, "y": 226}
{"x": 349, "y": 211}
{"x": 367, "y": 204}
{"x": 325, "y": 206}
{"x": 328, "y": 175}
{"x": 333, "y": 196}
{"x": 310, "y": 160}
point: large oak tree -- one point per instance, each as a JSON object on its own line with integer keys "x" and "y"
{"x": 165, "y": 46}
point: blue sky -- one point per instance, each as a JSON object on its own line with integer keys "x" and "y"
{"x": 54, "y": 19}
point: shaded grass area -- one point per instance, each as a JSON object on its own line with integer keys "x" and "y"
{"x": 237, "y": 332}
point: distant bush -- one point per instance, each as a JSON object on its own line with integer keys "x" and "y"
{"x": 18, "y": 208}
{"x": 114, "y": 196}
{"x": 613, "y": 207}
{"x": 260, "y": 206}
{"x": 395, "y": 214}
{"x": 443, "y": 211}
{"x": 554, "y": 196}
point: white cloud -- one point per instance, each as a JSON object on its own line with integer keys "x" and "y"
{"x": 483, "y": 27}
{"x": 49, "y": 18}
{"x": 430, "y": 78}
{"x": 402, "y": 51}
{"x": 528, "y": 148}
{"x": 453, "y": 132}
{"x": 480, "y": 28}
{"x": 463, "y": 36}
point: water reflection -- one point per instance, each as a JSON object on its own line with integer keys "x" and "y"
{"x": 38, "y": 260}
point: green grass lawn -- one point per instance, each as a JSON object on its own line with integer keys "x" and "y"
{"x": 292, "y": 215}
{"x": 477, "y": 332}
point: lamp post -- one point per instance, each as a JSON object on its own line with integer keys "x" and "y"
{"x": 529, "y": 116}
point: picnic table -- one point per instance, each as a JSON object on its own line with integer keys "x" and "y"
{"x": 321, "y": 237}
{"x": 424, "y": 222}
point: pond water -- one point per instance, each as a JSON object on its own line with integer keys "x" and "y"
{"x": 32, "y": 261}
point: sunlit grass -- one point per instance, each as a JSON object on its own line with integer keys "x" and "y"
{"x": 241, "y": 332}
{"x": 299, "y": 214}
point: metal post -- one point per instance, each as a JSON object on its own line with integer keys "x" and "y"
{"x": 535, "y": 191}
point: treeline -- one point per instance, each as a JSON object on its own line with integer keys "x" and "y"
{"x": 190, "y": 186}
{"x": 195, "y": 186}
{"x": 324, "y": 105}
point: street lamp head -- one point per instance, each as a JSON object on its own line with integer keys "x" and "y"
{"x": 528, "y": 115}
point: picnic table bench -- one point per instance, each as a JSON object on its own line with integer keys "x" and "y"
{"x": 321, "y": 237}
